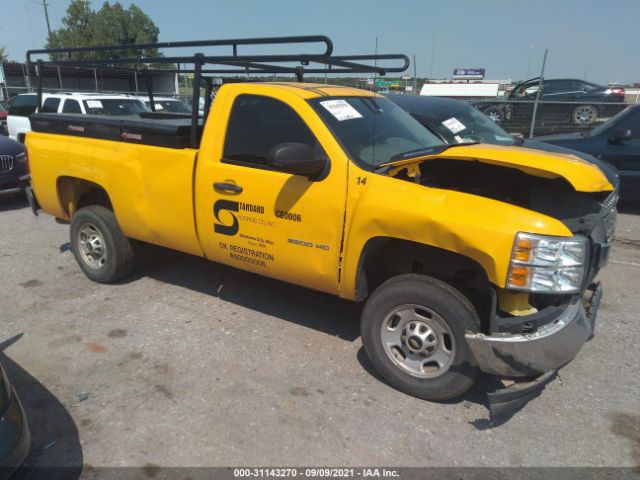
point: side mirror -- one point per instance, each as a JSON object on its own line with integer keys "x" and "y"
{"x": 297, "y": 159}
{"x": 620, "y": 135}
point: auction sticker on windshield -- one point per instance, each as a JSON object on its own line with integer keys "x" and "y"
{"x": 340, "y": 109}
{"x": 454, "y": 125}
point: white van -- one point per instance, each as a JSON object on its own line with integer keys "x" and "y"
{"x": 23, "y": 105}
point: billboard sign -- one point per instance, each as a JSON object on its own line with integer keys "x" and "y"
{"x": 468, "y": 73}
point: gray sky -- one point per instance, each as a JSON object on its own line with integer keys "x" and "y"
{"x": 596, "y": 39}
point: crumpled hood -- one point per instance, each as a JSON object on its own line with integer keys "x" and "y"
{"x": 609, "y": 170}
{"x": 583, "y": 175}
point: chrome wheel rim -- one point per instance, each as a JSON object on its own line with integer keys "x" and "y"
{"x": 92, "y": 246}
{"x": 418, "y": 340}
{"x": 494, "y": 116}
{"x": 584, "y": 114}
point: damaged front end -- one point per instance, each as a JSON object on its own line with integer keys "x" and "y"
{"x": 531, "y": 332}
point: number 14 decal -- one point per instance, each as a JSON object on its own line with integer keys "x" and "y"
{"x": 362, "y": 180}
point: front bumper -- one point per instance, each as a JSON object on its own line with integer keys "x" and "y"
{"x": 15, "y": 437}
{"x": 550, "y": 347}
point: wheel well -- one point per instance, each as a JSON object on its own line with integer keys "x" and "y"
{"x": 75, "y": 193}
{"x": 385, "y": 257}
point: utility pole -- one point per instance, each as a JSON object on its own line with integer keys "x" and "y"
{"x": 535, "y": 105}
{"x": 415, "y": 75}
{"x": 433, "y": 53}
{"x": 46, "y": 15}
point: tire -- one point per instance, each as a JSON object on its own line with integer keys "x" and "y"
{"x": 584, "y": 115}
{"x": 410, "y": 299}
{"x": 103, "y": 252}
{"x": 496, "y": 114}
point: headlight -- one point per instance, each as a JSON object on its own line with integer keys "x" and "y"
{"x": 541, "y": 263}
{"x": 20, "y": 158}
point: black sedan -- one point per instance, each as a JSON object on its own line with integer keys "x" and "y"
{"x": 12, "y": 166}
{"x": 565, "y": 103}
{"x": 616, "y": 142}
{"x": 15, "y": 437}
{"x": 457, "y": 122}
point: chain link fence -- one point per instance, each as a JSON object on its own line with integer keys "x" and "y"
{"x": 16, "y": 78}
{"x": 550, "y": 117}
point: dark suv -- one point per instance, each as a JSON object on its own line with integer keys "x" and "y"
{"x": 12, "y": 166}
{"x": 563, "y": 102}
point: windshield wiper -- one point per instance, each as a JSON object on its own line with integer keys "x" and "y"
{"x": 384, "y": 167}
{"x": 418, "y": 153}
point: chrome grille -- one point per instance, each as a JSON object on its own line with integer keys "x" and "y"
{"x": 6, "y": 163}
{"x": 611, "y": 201}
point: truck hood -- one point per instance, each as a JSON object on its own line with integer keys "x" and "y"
{"x": 609, "y": 170}
{"x": 583, "y": 175}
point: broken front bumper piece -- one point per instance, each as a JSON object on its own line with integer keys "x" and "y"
{"x": 550, "y": 347}
{"x": 534, "y": 358}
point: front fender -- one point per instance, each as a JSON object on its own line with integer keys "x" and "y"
{"x": 476, "y": 227}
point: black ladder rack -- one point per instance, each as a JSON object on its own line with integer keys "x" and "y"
{"x": 230, "y": 64}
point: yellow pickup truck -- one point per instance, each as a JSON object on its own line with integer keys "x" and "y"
{"x": 469, "y": 258}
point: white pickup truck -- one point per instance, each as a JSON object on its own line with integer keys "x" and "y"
{"x": 23, "y": 105}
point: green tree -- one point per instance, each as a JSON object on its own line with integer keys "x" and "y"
{"x": 112, "y": 24}
{"x": 3, "y": 55}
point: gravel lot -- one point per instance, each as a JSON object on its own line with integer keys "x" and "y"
{"x": 190, "y": 363}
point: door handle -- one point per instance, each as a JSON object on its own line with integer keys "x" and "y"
{"x": 227, "y": 187}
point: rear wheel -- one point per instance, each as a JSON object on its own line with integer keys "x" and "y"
{"x": 103, "y": 252}
{"x": 584, "y": 115}
{"x": 413, "y": 330}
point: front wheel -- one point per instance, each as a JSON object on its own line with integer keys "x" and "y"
{"x": 495, "y": 114}
{"x": 103, "y": 252}
{"x": 413, "y": 329}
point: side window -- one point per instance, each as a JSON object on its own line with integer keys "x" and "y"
{"x": 23, "y": 105}
{"x": 257, "y": 124}
{"x": 51, "y": 105}
{"x": 559, "y": 87}
{"x": 71, "y": 106}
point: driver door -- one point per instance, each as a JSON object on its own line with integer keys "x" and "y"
{"x": 270, "y": 222}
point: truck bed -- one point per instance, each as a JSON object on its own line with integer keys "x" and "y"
{"x": 156, "y": 129}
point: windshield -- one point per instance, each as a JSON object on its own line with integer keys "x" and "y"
{"x": 467, "y": 126}
{"x": 374, "y": 130}
{"x": 173, "y": 106}
{"x": 112, "y": 106}
{"x": 603, "y": 127}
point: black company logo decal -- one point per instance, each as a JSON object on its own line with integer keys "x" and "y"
{"x": 229, "y": 207}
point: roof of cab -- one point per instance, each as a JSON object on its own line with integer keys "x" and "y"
{"x": 315, "y": 90}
